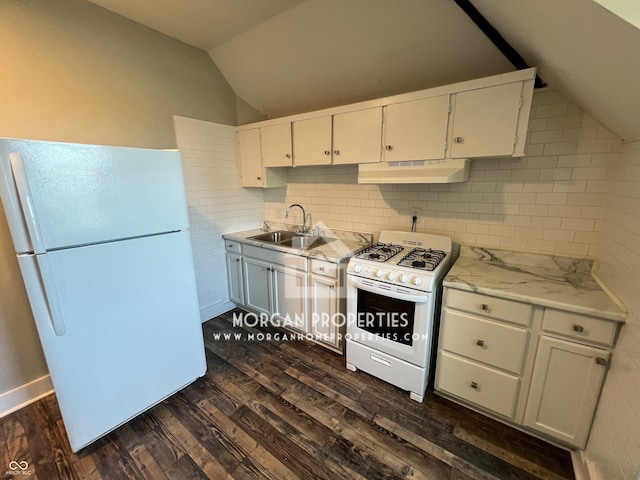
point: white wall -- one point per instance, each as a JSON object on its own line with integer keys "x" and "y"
{"x": 217, "y": 204}
{"x": 75, "y": 72}
{"x": 550, "y": 201}
{"x": 614, "y": 446}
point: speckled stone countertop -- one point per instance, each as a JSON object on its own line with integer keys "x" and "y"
{"x": 557, "y": 282}
{"x": 343, "y": 245}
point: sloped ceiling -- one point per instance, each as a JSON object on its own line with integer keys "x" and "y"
{"x": 291, "y": 56}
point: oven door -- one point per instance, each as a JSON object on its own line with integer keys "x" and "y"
{"x": 391, "y": 319}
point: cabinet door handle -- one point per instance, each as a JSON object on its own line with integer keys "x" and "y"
{"x": 480, "y": 343}
{"x": 237, "y": 259}
{"x": 332, "y": 287}
{"x": 259, "y": 178}
{"x": 459, "y": 139}
{"x": 388, "y": 148}
{"x": 474, "y": 385}
{"x": 336, "y": 152}
{"x": 327, "y": 152}
{"x": 484, "y": 307}
{"x": 287, "y": 155}
{"x": 578, "y": 328}
{"x": 602, "y": 361}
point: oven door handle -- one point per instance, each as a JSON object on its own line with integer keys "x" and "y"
{"x": 358, "y": 283}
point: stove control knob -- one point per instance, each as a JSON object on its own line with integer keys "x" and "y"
{"x": 391, "y": 276}
{"x": 357, "y": 268}
{"x": 379, "y": 273}
{"x": 403, "y": 278}
{"x": 417, "y": 281}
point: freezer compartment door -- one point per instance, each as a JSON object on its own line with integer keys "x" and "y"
{"x": 132, "y": 329}
{"x": 82, "y": 194}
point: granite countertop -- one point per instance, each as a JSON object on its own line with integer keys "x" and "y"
{"x": 548, "y": 281}
{"x": 344, "y": 244}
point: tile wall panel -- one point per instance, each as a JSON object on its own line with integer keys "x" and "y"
{"x": 614, "y": 446}
{"x": 217, "y": 204}
{"x": 549, "y": 201}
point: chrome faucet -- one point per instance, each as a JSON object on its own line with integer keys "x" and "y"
{"x": 304, "y": 216}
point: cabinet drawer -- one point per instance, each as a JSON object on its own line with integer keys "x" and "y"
{"x": 324, "y": 268}
{"x": 483, "y": 386}
{"x": 580, "y": 327}
{"x": 497, "y": 344}
{"x": 232, "y": 246}
{"x": 488, "y": 306}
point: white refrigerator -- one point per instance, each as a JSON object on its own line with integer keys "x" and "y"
{"x": 102, "y": 239}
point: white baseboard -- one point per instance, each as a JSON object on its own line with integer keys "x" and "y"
{"x": 580, "y": 465}
{"x": 216, "y": 309}
{"x": 24, "y": 395}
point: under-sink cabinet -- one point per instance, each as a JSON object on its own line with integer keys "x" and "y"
{"x": 538, "y": 368}
{"x": 275, "y": 284}
{"x": 293, "y": 291}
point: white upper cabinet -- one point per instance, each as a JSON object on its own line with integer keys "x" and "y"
{"x": 416, "y": 130}
{"x": 250, "y": 158}
{"x": 312, "y": 141}
{"x": 252, "y": 171}
{"x": 357, "y": 136}
{"x": 485, "y": 121}
{"x": 275, "y": 143}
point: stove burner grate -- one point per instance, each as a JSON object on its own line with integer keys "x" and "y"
{"x": 422, "y": 258}
{"x": 380, "y": 252}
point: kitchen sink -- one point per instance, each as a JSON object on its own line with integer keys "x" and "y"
{"x": 291, "y": 239}
{"x": 274, "y": 237}
{"x": 305, "y": 243}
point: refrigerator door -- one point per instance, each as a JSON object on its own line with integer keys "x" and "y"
{"x": 133, "y": 334}
{"x": 73, "y": 195}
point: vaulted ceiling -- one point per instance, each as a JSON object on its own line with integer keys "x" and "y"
{"x": 291, "y": 56}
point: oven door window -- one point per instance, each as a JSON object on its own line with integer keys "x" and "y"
{"x": 387, "y": 317}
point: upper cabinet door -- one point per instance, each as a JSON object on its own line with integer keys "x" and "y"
{"x": 357, "y": 136}
{"x": 485, "y": 121}
{"x": 275, "y": 141}
{"x": 250, "y": 160}
{"x": 312, "y": 141}
{"x": 416, "y": 130}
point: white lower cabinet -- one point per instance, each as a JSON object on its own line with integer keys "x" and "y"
{"x": 277, "y": 291}
{"x": 290, "y": 296}
{"x": 540, "y": 369}
{"x": 307, "y": 295}
{"x": 326, "y": 304}
{"x": 565, "y": 386}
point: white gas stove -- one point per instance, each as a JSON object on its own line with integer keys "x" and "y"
{"x": 409, "y": 259}
{"x": 393, "y": 289}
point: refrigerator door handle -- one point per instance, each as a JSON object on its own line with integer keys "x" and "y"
{"x": 51, "y": 295}
{"x": 22, "y": 185}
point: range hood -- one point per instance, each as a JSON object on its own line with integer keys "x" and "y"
{"x": 415, "y": 171}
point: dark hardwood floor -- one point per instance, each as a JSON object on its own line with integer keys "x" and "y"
{"x": 281, "y": 410}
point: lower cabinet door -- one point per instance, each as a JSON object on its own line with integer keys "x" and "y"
{"x": 257, "y": 285}
{"x": 565, "y": 385}
{"x": 234, "y": 277}
{"x": 324, "y": 307}
{"x": 290, "y": 297}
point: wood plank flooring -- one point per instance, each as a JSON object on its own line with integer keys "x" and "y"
{"x": 282, "y": 410}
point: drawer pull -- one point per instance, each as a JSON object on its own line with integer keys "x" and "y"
{"x": 474, "y": 385}
{"x": 480, "y": 343}
{"x": 601, "y": 361}
{"x": 578, "y": 328}
{"x": 321, "y": 269}
{"x": 384, "y": 362}
{"x": 484, "y": 307}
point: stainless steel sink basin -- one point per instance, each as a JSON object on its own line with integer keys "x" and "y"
{"x": 274, "y": 237}
{"x": 305, "y": 243}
